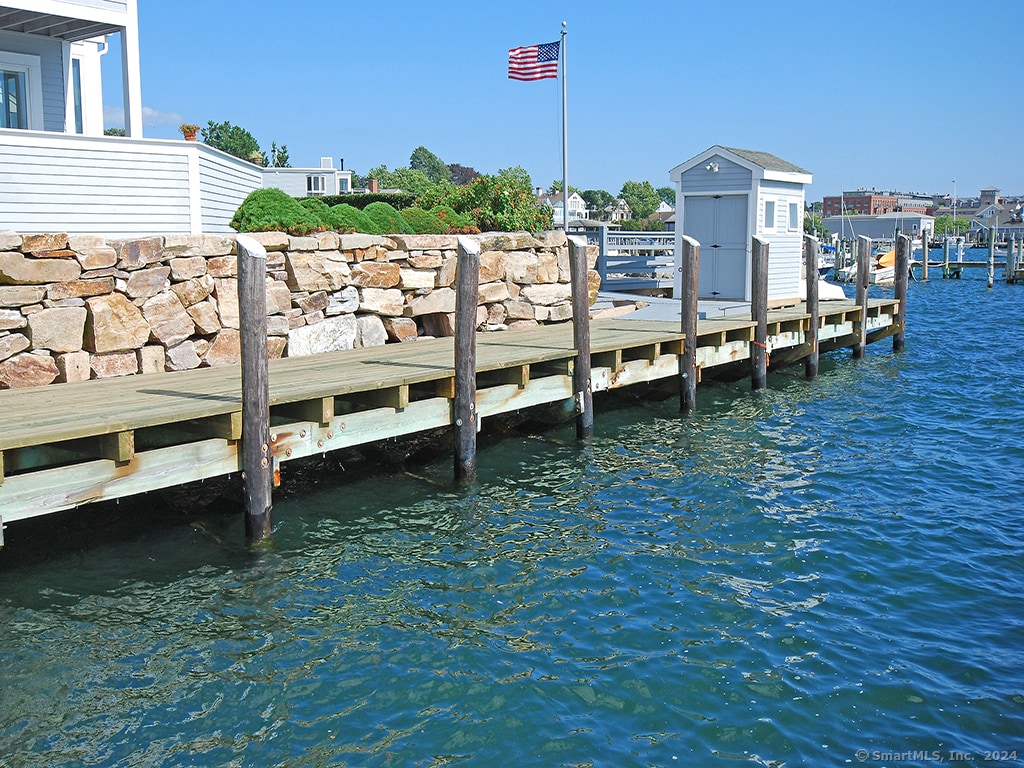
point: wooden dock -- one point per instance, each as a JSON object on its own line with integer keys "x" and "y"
{"x": 66, "y": 445}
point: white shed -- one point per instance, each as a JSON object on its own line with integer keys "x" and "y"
{"x": 726, "y": 196}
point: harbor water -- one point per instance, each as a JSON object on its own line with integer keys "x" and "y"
{"x": 826, "y": 573}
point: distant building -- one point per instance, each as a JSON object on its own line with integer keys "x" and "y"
{"x": 310, "y": 182}
{"x": 882, "y": 227}
{"x": 577, "y": 206}
{"x": 872, "y": 202}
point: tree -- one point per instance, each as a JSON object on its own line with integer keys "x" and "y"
{"x": 234, "y": 140}
{"x": 946, "y": 225}
{"x": 667, "y": 195}
{"x": 813, "y": 225}
{"x": 598, "y": 201}
{"x": 409, "y": 179}
{"x": 113, "y": 132}
{"x": 422, "y": 159}
{"x": 556, "y": 188}
{"x": 279, "y": 155}
{"x": 461, "y": 174}
{"x": 641, "y": 198}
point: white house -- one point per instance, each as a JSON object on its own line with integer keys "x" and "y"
{"x": 726, "y": 196}
{"x": 577, "y": 206}
{"x": 310, "y": 182}
{"x": 59, "y": 173}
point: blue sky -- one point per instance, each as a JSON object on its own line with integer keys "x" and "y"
{"x": 903, "y": 94}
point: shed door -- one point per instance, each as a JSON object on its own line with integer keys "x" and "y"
{"x": 719, "y": 224}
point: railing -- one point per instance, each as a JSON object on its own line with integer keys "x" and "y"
{"x": 636, "y": 261}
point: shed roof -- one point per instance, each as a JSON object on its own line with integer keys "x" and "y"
{"x": 767, "y": 160}
{"x": 763, "y": 165}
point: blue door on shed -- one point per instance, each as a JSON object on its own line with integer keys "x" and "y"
{"x": 719, "y": 224}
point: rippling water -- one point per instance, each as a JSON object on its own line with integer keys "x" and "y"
{"x": 826, "y": 573}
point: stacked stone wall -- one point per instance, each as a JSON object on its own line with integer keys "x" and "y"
{"x": 82, "y": 307}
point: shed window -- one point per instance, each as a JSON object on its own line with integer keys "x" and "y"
{"x": 769, "y": 215}
{"x": 794, "y": 217}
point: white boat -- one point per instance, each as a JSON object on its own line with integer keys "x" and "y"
{"x": 882, "y": 271}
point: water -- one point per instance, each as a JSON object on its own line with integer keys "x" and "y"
{"x": 827, "y": 573}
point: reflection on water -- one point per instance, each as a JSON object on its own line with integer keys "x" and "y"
{"x": 784, "y": 579}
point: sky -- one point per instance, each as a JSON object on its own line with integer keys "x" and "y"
{"x": 911, "y": 95}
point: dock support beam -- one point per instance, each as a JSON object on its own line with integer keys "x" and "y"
{"x": 689, "y": 265}
{"x": 467, "y": 295}
{"x": 257, "y": 469}
{"x": 863, "y": 274}
{"x": 759, "y": 313}
{"x": 581, "y": 383}
{"x": 904, "y": 246}
{"x": 814, "y": 322}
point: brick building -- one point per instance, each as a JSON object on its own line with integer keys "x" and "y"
{"x": 871, "y": 202}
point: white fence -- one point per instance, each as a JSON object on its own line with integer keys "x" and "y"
{"x": 633, "y": 262}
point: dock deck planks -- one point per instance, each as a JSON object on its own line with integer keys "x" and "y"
{"x": 99, "y": 419}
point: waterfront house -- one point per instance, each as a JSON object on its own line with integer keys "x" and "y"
{"x": 310, "y": 182}
{"x": 725, "y": 196}
{"x": 60, "y": 173}
{"x": 577, "y": 206}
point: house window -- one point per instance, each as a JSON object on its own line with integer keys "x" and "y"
{"x": 76, "y": 89}
{"x": 316, "y": 185}
{"x": 794, "y": 217}
{"x": 21, "y": 91}
{"x": 769, "y": 215}
{"x": 12, "y": 91}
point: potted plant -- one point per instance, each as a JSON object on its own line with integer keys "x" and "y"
{"x": 188, "y": 130}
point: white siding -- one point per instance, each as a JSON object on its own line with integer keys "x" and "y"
{"x": 117, "y": 187}
{"x": 224, "y": 182}
{"x": 785, "y": 254}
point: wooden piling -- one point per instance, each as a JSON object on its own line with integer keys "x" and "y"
{"x": 863, "y": 275}
{"x": 991, "y": 256}
{"x": 904, "y": 247}
{"x": 814, "y": 322}
{"x": 924, "y": 254}
{"x": 1011, "y": 243}
{"x": 581, "y": 379}
{"x": 257, "y": 463}
{"x": 759, "y": 314}
{"x": 689, "y": 265}
{"x": 945, "y": 256}
{"x": 464, "y": 419}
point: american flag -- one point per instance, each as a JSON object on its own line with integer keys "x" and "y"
{"x": 533, "y": 62}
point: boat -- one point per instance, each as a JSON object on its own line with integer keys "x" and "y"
{"x": 826, "y": 258}
{"x": 882, "y": 271}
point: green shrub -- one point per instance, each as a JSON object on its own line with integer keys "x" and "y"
{"x": 318, "y": 208}
{"x": 503, "y": 203}
{"x": 360, "y": 200}
{"x": 452, "y": 222}
{"x": 423, "y": 222}
{"x": 386, "y": 220}
{"x": 271, "y": 210}
{"x": 348, "y": 218}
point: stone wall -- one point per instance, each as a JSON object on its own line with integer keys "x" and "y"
{"x": 82, "y": 307}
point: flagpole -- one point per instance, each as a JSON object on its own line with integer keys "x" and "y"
{"x": 565, "y": 143}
